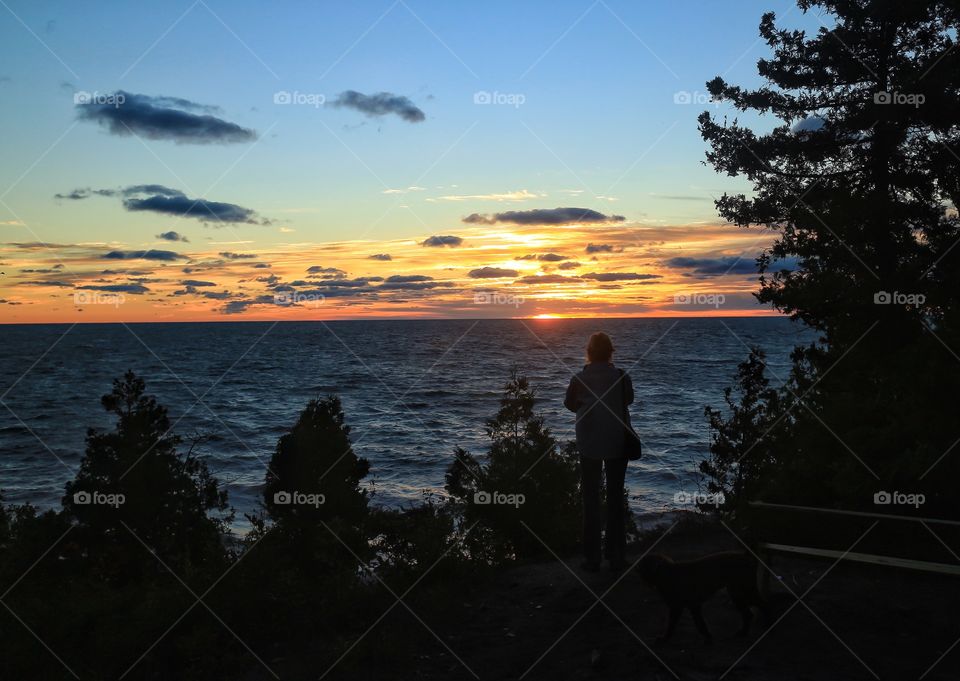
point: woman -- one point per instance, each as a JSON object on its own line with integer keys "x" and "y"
{"x": 599, "y": 395}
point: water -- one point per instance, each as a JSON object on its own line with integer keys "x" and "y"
{"x": 411, "y": 391}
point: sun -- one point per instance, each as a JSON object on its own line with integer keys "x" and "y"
{"x": 545, "y": 315}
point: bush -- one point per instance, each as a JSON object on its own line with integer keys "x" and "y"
{"x": 312, "y": 491}
{"x": 523, "y": 501}
{"x": 134, "y": 488}
{"x": 742, "y": 445}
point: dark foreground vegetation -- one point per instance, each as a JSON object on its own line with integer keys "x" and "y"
{"x": 138, "y": 575}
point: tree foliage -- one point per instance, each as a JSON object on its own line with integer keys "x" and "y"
{"x": 135, "y": 493}
{"x": 312, "y": 489}
{"x": 859, "y": 180}
{"x": 523, "y": 499}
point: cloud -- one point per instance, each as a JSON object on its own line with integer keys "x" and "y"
{"x": 84, "y": 193}
{"x": 714, "y": 267}
{"x": 404, "y": 191}
{"x": 544, "y": 216}
{"x": 41, "y": 282}
{"x": 548, "y": 279}
{"x": 412, "y": 285}
{"x": 172, "y": 236}
{"x": 201, "y": 209}
{"x": 544, "y": 257}
{"x": 238, "y": 306}
{"x": 51, "y": 270}
{"x": 521, "y": 195}
{"x": 196, "y": 283}
{"x": 601, "y": 248}
{"x": 144, "y": 255}
{"x": 808, "y": 124}
{"x": 380, "y": 104}
{"x": 39, "y": 245}
{"x": 569, "y": 265}
{"x": 404, "y": 278}
{"x": 158, "y": 198}
{"x": 492, "y": 273}
{"x": 160, "y": 118}
{"x": 326, "y": 272}
{"x": 619, "y": 276}
{"x": 380, "y": 256}
{"x": 135, "y": 289}
{"x": 332, "y": 283}
{"x": 230, "y": 255}
{"x": 443, "y": 240}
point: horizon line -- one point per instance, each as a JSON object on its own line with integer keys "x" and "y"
{"x": 765, "y": 315}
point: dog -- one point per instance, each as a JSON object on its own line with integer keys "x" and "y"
{"x": 687, "y": 584}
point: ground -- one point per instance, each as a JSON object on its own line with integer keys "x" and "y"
{"x": 543, "y": 621}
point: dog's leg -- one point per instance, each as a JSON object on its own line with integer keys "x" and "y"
{"x": 701, "y": 625}
{"x": 747, "y": 614}
{"x": 675, "y": 612}
{"x": 742, "y": 600}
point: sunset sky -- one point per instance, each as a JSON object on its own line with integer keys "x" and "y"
{"x": 268, "y": 160}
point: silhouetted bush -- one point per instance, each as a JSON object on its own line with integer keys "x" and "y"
{"x": 312, "y": 492}
{"x": 410, "y": 541}
{"x": 742, "y": 448}
{"x": 135, "y": 493}
{"x": 523, "y": 499}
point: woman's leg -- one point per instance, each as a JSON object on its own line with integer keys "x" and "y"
{"x": 590, "y": 470}
{"x": 616, "y": 540}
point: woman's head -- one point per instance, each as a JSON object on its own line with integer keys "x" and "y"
{"x": 599, "y": 348}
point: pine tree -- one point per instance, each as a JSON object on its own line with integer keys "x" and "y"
{"x": 312, "y": 491}
{"x": 525, "y": 494}
{"x": 859, "y": 180}
{"x": 134, "y": 489}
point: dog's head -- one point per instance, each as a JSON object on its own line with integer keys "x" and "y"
{"x": 652, "y": 568}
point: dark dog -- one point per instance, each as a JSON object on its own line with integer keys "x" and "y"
{"x": 687, "y": 584}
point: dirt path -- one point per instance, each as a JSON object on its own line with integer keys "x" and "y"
{"x": 542, "y": 622}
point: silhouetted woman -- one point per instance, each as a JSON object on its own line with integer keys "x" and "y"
{"x": 599, "y": 397}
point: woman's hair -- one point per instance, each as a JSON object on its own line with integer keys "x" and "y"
{"x": 599, "y": 348}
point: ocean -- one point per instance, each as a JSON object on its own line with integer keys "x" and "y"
{"x": 412, "y": 391}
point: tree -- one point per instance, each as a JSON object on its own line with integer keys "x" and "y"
{"x": 312, "y": 490}
{"x": 135, "y": 488}
{"x": 741, "y": 454}
{"x": 859, "y": 180}
{"x": 524, "y": 498}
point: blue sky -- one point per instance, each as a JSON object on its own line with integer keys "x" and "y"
{"x": 591, "y": 110}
